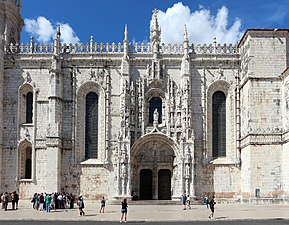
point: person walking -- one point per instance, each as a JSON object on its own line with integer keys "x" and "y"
{"x": 102, "y": 205}
{"x": 212, "y": 207}
{"x": 81, "y": 205}
{"x": 188, "y": 202}
{"x": 123, "y": 211}
{"x": 184, "y": 201}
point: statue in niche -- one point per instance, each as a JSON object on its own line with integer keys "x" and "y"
{"x": 27, "y": 77}
{"x": 156, "y": 115}
{"x": 187, "y": 170}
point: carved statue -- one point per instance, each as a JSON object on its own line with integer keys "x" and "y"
{"x": 156, "y": 115}
{"x": 187, "y": 170}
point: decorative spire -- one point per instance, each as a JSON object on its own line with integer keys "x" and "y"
{"x": 57, "y": 41}
{"x": 186, "y": 42}
{"x": 185, "y": 33}
{"x": 125, "y": 42}
{"x": 155, "y": 34}
{"x": 58, "y": 34}
{"x": 31, "y": 44}
{"x": 155, "y": 30}
{"x": 125, "y": 34}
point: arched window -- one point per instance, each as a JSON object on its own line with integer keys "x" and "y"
{"x": 29, "y": 107}
{"x": 91, "y": 125}
{"x": 219, "y": 124}
{"x": 28, "y": 164}
{"x": 155, "y": 103}
{"x": 25, "y": 163}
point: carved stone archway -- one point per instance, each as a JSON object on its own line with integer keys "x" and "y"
{"x": 155, "y": 152}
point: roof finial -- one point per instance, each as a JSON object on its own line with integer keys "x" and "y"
{"x": 58, "y": 31}
{"x": 155, "y": 29}
{"x": 186, "y": 43}
{"x": 155, "y": 33}
{"x": 185, "y": 33}
{"x": 125, "y": 43}
{"x": 125, "y": 33}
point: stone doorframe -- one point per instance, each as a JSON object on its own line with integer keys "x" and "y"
{"x": 155, "y": 151}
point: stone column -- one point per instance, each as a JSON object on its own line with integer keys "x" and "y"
{"x": 54, "y": 132}
{"x": 1, "y": 101}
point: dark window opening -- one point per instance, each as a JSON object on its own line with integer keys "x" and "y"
{"x": 219, "y": 124}
{"x": 91, "y": 126}
{"x": 28, "y": 164}
{"x": 29, "y": 107}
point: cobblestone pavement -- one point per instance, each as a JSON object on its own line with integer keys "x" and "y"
{"x": 151, "y": 213}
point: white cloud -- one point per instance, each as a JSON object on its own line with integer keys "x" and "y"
{"x": 44, "y": 30}
{"x": 67, "y": 34}
{"x": 202, "y": 26}
{"x": 41, "y": 28}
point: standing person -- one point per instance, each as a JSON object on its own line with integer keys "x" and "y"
{"x": 188, "y": 202}
{"x": 6, "y": 200}
{"x": 12, "y": 200}
{"x": 47, "y": 202}
{"x": 41, "y": 202}
{"x": 123, "y": 210}
{"x": 2, "y": 201}
{"x": 212, "y": 207}
{"x": 16, "y": 199}
{"x": 102, "y": 205}
{"x": 207, "y": 201}
{"x": 81, "y": 205}
{"x": 184, "y": 201}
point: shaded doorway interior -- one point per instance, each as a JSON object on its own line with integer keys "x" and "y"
{"x": 164, "y": 184}
{"x": 146, "y": 184}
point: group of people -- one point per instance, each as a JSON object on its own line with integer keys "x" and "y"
{"x": 12, "y": 197}
{"x": 209, "y": 203}
{"x": 48, "y": 201}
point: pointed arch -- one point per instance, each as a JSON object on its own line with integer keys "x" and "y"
{"x": 216, "y": 132}
{"x": 90, "y": 122}
{"x": 25, "y": 160}
{"x": 26, "y": 100}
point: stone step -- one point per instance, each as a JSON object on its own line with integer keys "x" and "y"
{"x": 154, "y": 202}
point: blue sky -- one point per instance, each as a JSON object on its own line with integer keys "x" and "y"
{"x": 105, "y": 20}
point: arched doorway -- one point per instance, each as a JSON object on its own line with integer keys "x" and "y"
{"x": 164, "y": 184}
{"x": 146, "y": 184}
{"x": 152, "y": 167}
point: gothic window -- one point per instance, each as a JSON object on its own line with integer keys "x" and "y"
{"x": 219, "y": 124}
{"x": 26, "y": 163}
{"x": 91, "y": 125}
{"x": 155, "y": 103}
{"x": 29, "y": 107}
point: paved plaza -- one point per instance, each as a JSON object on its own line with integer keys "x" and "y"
{"x": 151, "y": 213}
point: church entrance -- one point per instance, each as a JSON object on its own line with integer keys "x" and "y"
{"x": 164, "y": 184}
{"x": 152, "y": 168}
{"x": 146, "y": 184}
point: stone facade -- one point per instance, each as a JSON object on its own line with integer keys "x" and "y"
{"x": 154, "y": 125}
